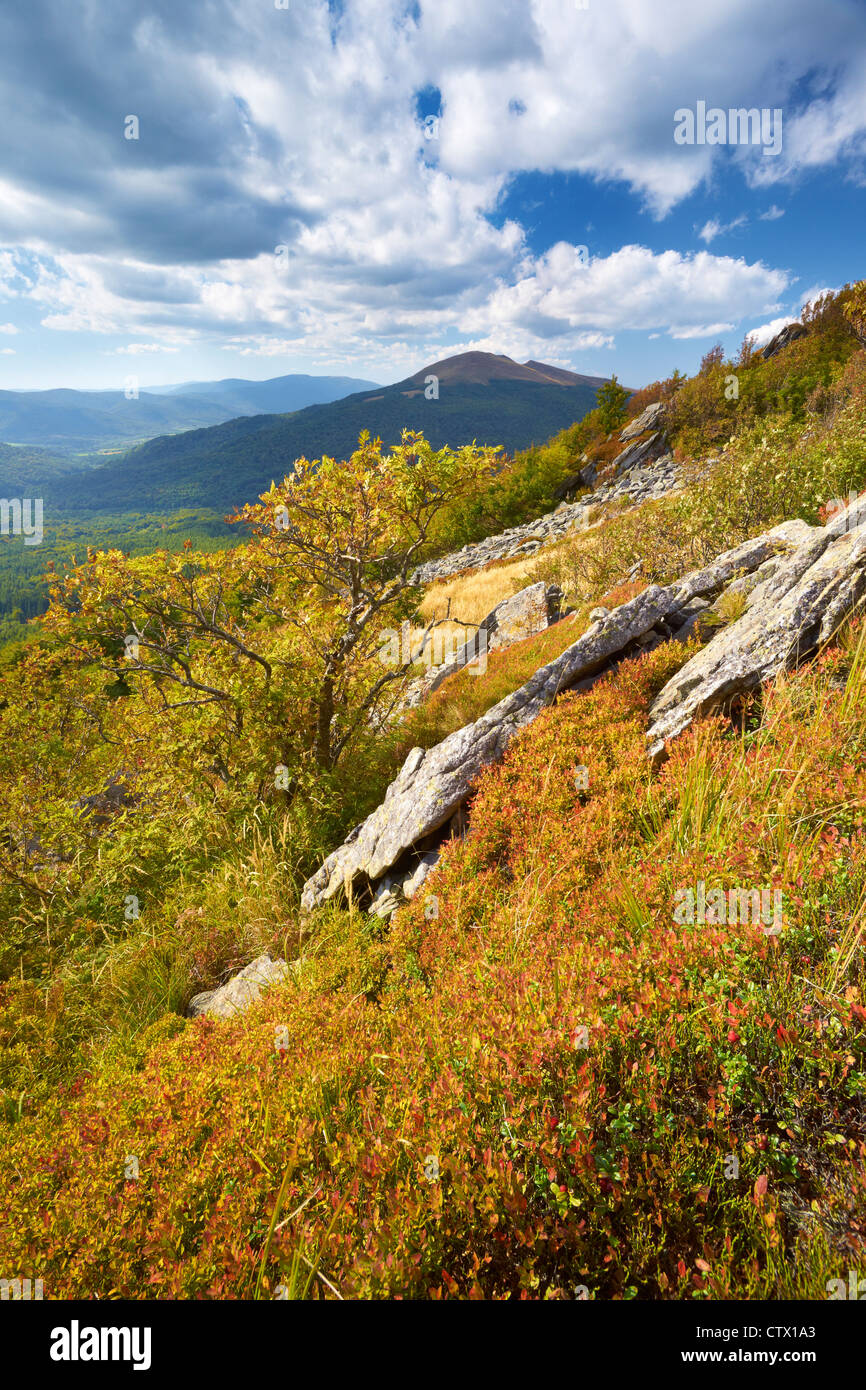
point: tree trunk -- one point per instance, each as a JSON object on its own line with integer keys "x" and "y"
{"x": 324, "y": 718}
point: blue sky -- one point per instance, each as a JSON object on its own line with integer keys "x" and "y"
{"x": 365, "y": 186}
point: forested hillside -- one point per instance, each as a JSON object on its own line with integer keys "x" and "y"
{"x": 222, "y": 466}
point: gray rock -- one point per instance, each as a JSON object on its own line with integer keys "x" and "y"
{"x": 641, "y": 481}
{"x": 788, "y": 615}
{"x": 643, "y": 451}
{"x": 742, "y": 559}
{"x": 649, "y": 419}
{"x": 241, "y": 991}
{"x": 588, "y": 475}
{"x": 386, "y": 899}
{"x": 691, "y": 613}
{"x": 531, "y": 610}
{"x": 525, "y": 613}
{"x": 788, "y": 334}
{"x": 694, "y": 626}
{"x": 396, "y": 889}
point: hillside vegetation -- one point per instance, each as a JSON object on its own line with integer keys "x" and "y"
{"x": 549, "y": 1087}
{"x": 224, "y": 465}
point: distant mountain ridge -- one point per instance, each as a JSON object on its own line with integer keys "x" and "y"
{"x": 276, "y": 395}
{"x": 484, "y": 397}
{"x": 69, "y": 421}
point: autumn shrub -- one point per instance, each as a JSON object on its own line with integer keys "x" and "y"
{"x": 727, "y": 397}
{"x": 775, "y": 471}
{"x": 663, "y": 539}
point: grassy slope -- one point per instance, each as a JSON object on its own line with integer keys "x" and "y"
{"x": 458, "y": 1040}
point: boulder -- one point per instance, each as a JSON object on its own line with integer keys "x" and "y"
{"x": 588, "y": 475}
{"x": 241, "y": 991}
{"x": 789, "y": 613}
{"x": 434, "y": 783}
{"x": 642, "y": 451}
{"x": 398, "y": 888}
{"x": 525, "y": 613}
{"x": 522, "y": 615}
{"x": 788, "y": 334}
{"x": 649, "y": 419}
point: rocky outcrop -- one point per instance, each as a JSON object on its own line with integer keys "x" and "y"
{"x": 793, "y": 607}
{"x": 433, "y": 785}
{"x": 569, "y": 486}
{"x": 788, "y": 334}
{"x": 641, "y": 452}
{"x": 643, "y": 482}
{"x": 399, "y": 888}
{"x": 529, "y": 611}
{"x": 241, "y": 991}
{"x": 645, "y": 439}
{"x": 649, "y": 419}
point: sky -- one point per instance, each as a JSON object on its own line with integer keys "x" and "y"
{"x": 195, "y": 189}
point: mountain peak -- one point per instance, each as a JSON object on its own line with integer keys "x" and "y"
{"x": 481, "y": 368}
